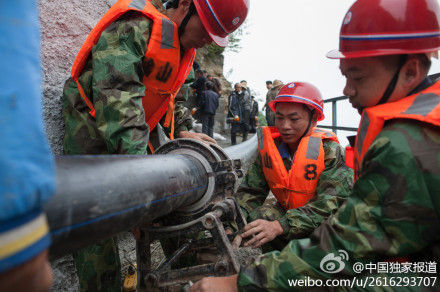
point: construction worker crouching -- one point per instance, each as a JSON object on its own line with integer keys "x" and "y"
{"x": 302, "y": 165}
{"x": 123, "y": 83}
{"x": 391, "y": 219}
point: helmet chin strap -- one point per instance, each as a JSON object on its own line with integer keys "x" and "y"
{"x": 192, "y": 11}
{"x": 393, "y": 82}
{"x": 308, "y": 126}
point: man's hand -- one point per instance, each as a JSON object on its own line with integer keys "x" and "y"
{"x": 263, "y": 230}
{"x": 214, "y": 284}
{"x": 197, "y": 136}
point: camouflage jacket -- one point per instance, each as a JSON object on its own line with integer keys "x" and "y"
{"x": 392, "y": 212}
{"x": 112, "y": 78}
{"x": 271, "y": 94}
{"x": 334, "y": 186}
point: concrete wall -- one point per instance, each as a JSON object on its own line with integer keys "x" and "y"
{"x": 65, "y": 25}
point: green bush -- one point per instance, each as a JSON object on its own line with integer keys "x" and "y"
{"x": 262, "y": 120}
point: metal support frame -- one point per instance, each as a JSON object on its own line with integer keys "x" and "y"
{"x": 225, "y": 264}
{"x": 334, "y": 127}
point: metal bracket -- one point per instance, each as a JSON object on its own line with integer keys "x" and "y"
{"x": 225, "y": 264}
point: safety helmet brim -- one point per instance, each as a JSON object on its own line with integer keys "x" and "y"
{"x": 297, "y": 99}
{"x": 220, "y": 40}
{"x": 336, "y": 54}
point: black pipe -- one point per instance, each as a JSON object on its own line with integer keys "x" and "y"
{"x": 100, "y": 196}
{"x": 246, "y": 152}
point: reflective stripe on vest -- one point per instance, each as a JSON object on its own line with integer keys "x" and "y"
{"x": 423, "y": 106}
{"x": 293, "y": 188}
{"x": 164, "y": 69}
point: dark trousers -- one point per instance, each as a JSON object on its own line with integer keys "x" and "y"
{"x": 243, "y": 127}
{"x": 253, "y": 124}
{"x": 234, "y": 137}
{"x": 208, "y": 124}
{"x": 239, "y": 128}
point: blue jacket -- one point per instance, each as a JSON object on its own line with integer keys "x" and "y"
{"x": 26, "y": 164}
{"x": 209, "y": 102}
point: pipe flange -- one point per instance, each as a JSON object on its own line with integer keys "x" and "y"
{"x": 220, "y": 152}
{"x": 205, "y": 155}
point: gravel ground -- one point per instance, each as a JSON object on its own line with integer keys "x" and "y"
{"x": 64, "y": 270}
{"x": 65, "y": 278}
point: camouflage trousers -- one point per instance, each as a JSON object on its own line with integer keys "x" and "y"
{"x": 270, "y": 212}
{"x": 98, "y": 267}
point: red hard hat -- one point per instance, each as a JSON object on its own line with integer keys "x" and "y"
{"x": 221, "y": 17}
{"x": 300, "y": 92}
{"x": 389, "y": 27}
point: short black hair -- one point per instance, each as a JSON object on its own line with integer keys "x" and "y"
{"x": 243, "y": 81}
{"x": 268, "y": 82}
{"x": 209, "y": 85}
{"x": 196, "y": 66}
{"x": 391, "y": 62}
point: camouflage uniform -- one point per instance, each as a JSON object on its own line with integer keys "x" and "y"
{"x": 271, "y": 95}
{"x": 392, "y": 212}
{"x": 112, "y": 78}
{"x": 334, "y": 186}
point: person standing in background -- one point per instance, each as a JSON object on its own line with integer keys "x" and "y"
{"x": 246, "y": 103}
{"x": 253, "y": 120}
{"x": 245, "y": 87}
{"x": 271, "y": 94}
{"x": 199, "y": 85}
{"x": 217, "y": 84}
{"x": 208, "y": 107}
{"x": 240, "y": 110}
{"x": 268, "y": 84}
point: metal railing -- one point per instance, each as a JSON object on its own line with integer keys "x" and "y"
{"x": 334, "y": 127}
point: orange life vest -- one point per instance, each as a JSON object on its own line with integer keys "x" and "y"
{"x": 293, "y": 188}
{"x": 163, "y": 56}
{"x": 423, "y": 106}
{"x": 349, "y": 157}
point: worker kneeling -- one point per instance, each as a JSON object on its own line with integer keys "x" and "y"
{"x": 302, "y": 165}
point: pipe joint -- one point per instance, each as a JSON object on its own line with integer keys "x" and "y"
{"x": 223, "y": 173}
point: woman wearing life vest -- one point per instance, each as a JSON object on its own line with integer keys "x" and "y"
{"x": 392, "y": 215}
{"x": 302, "y": 165}
{"x": 123, "y": 83}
